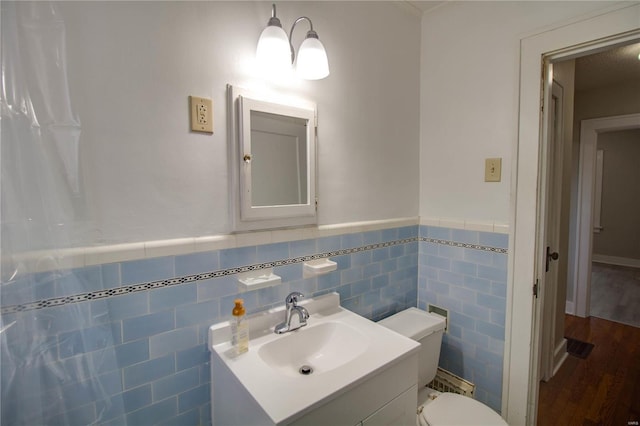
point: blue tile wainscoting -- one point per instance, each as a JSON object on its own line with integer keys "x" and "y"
{"x": 465, "y": 272}
{"x": 125, "y": 343}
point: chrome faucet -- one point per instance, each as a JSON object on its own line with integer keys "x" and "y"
{"x": 291, "y": 304}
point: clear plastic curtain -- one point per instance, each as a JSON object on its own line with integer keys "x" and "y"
{"x": 40, "y": 192}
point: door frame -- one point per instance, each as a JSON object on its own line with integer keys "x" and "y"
{"x": 598, "y": 31}
{"x": 589, "y": 130}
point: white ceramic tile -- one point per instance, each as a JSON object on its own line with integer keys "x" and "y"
{"x": 430, "y": 221}
{"x": 452, "y": 223}
{"x": 215, "y": 242}
{"x": 501, "y": 228}
{"x": 171, "y": 247}
{"x": 114, "y": 253}
{"x": 478, "y": 226}
{"x": 253, "y": 238}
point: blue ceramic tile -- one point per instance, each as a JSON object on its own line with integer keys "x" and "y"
{"x": 360, "y": 287}
{"x": 176, "y": 383}
{"x": 197, "y": 263}
{"x": 437, "y": 287}
{"x": 476, "y": 312}
{"x": 148, "y": 371}
{"x": 132, "y": 352}
{"x": 492, "y": 302}
{"x": 492, "y": 239}
{"x": 111, "y": 411}
{"x": 198, "y": 313}
{"x": 128, "y": 305}
{"x": 449, "y": 303}
{"x": 329, "y": 280}
{"x": 80, "y": 280}
{"x": 427, "y": 248}
{"x": 478, "y": 339}
{"x": 89, "y": 339}
{"x": 389, "y": 234}
{"x": 231, "y": 258}
{"x": 396, "y": 251}
{"x": 464, "y": 321}
{"x": 194, "y": 398}
{"x": 171, "y": 341}
{"x": 351, "y": 275}
{"x": 388, "y": 265}
{"x": 191, "y": 417}
{"x": 500, "y": 260}
{"x": 492, "y": 274}
{"x": 380, "y": 254}
{"x": 489, "y": 358}
{"x": 272, "y": 252}
{"x": 147, "y": 325}
{"x": 439, "y": 262}
{"x": 289, "y": 272}
{"x": 477, "y": 284}
{"x": 407, "y": 261}
{"x": 451, "y": 278}
{"x": 450, "y": 252}
{"x": 351, "y": 240}
{"x": 439, "y": 233}
{"x": 328, "y": 244}
{"x": 136, "y": 398}
{"x": 463, "y": 294}
{"x": 489, "y": 329}
{"x": 192, "y": 357}
{"x": 146, "y": 270}
{"x": 371, "y": 237}
{"x": 153, "y": 414}
{"x": 344, "y": 291}
{"x": 499, "y": 289}
{"x": 479, "y": 257}
{"x": 302, "y": 248}
{"x": 371, "y": 270}
{"x": 361, "y": 258}
{"x": 407, "y": 232}
{"x": 379, "y": 281}
{"x": 217, "y": 287}
{"x": 170, "y": 297}
{"x": 111, "y": 275}
{"x": 344, "y": 262}
{"x": 84, "y": 415}
{"x": 498, "y": 317}
{"x": 465, "y": 236}
{"x": 464, "y": 268}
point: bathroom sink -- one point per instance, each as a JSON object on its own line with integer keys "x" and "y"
{"x": 314, "y": 349}
{"x": 289, "y": 375}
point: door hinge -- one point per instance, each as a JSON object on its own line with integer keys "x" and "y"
{"x": 535, "y": 289}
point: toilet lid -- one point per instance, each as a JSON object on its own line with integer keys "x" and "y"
{"x": 453, "y": 409}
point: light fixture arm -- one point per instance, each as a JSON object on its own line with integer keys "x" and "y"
{"x": 311, "y": 33}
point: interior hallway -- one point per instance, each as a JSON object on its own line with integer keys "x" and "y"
{"x": 604, "y": 388}
{"x": 615, "y": 293}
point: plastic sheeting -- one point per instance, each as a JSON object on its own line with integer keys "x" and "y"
{"x": 54, "y": 361}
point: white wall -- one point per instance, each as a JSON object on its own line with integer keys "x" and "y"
{"x": 132, "y": 66}
{"x": 469, "y": 101}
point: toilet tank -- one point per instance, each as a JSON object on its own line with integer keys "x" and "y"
{"x": 425, "y": 328}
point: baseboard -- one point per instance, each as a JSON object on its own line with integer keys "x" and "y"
{"x": 615, "y": 260}
{"x": 560, "y": 354}
{"x": 569, "y": 308}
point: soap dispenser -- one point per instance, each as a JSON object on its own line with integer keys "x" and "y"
{"x": 239, "y": 328}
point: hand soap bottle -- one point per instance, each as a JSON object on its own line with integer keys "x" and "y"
{"x": 239, "y": 328}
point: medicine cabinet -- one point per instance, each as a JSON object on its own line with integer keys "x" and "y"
{"x": 273, "y": 160}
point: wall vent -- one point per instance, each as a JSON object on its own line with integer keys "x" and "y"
{"x": 445, "y": 381}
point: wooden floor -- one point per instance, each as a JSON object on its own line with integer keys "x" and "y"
{"x": 604, "y": 388}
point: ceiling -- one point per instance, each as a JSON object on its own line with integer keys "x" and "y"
{"x": 612, "y": 66}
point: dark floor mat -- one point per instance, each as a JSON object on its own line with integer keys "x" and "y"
{"x": 578, "y": 348}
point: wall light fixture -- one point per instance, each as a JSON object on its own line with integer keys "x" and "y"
{"x": 276, "y": 54}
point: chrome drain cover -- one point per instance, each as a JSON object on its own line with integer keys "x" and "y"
{"x": 306, "y": 370}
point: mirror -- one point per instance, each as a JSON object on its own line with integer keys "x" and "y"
{"x": 275, "y": 162}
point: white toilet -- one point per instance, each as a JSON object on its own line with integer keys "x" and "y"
{"x": 447, "y": 408}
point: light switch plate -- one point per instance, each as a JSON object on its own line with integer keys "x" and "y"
{"x": 201, "y": 112}
{"x": 492, "y": 169}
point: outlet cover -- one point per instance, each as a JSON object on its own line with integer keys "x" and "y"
{"x": 492, "y": 169}
{"x": 201, "y": 112}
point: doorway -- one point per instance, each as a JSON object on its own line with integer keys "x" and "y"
{"x": 617, "y": 26}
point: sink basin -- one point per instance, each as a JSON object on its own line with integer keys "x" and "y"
{"x": 315, "y": 349}
{"x": 343, "y": 350}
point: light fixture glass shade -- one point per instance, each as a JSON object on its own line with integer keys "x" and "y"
{"x": 312, "y": 62}
{"x": 274, "y": 53}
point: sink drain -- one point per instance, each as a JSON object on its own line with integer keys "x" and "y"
{"x": 305, "y": 370}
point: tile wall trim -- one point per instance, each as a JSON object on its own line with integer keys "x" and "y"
{"x": 51, "y": 260}
{"x": 107, "y": 293}
{"x": 469, "y": 225}
{"x": 134, "y": 288}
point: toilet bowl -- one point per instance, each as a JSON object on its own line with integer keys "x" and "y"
{"x": 446, "y": 408}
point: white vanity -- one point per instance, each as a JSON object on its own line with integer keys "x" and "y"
{"x": 339, "y": 369}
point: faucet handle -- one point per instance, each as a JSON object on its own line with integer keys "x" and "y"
{"x": 292, "y": 298}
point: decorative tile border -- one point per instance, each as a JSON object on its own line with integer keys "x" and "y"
{"x": 102, "y": 294}
{"x": 464, "y": 245}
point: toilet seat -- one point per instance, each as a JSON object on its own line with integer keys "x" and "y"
{"x": 450, "y": 409}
